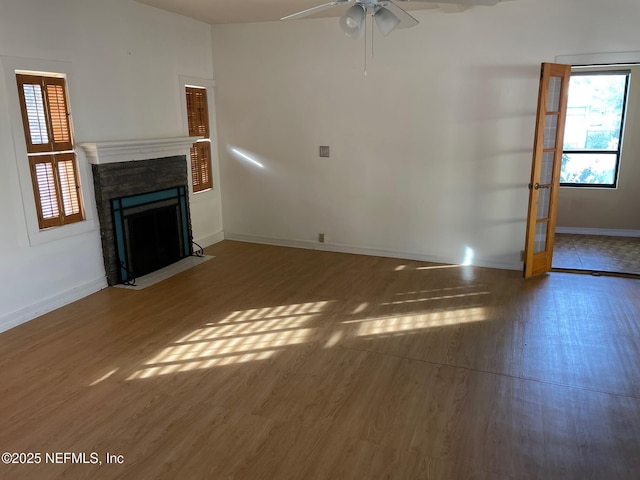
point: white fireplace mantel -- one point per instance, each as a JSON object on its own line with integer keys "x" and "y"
{"x": 99, "y": 153}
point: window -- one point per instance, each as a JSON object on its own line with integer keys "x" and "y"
{"x": 594, "y": 128}
{"x": 52, "y": 161}
{"x": 198, "y": 123}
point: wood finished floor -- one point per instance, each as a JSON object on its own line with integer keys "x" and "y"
{"x": 278, "y": 363}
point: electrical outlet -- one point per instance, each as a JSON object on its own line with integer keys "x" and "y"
{"x": 324, "y": 151}
{"x": 321, "y": 237}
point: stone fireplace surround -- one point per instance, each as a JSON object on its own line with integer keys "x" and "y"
{"x": 132, "y": 167}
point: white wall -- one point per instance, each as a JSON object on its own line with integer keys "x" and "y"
{"x": 430, "y": 153}
{"x": 126, "y": 61}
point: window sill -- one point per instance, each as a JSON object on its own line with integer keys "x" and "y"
{"x": 590, "y": 187}
{"x": 202, "y": 191}
{"x": 53, "y": 234}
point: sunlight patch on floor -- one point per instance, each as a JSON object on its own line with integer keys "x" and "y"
{"x": 444, "y": 289}
{"x": 103, "y": 377}
{"x": 441, "y": 297}
{"x": 243, "y": 336}
{"x": 360, "y": 308}
{"x": 402, "y": 324}
{"x": 436, "y": 267}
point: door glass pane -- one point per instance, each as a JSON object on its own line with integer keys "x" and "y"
{"x": 550, "y": 128}
{"x": 553, "y": 97}
{"x": 541, "y": 237}
{"x": 546, "y": 169}
{"x": 544, "y": 194}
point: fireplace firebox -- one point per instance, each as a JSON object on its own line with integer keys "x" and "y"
{"x": 151, "y": 231}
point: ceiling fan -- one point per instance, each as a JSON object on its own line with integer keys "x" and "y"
{"x": 387, "y": 15}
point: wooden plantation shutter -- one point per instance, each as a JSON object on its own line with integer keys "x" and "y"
{"x": 197, "y": 112}
{"x": 45, "y": 115}
{"x": 47, "y": 131}
{"x": 198, "y": 123}
{"x": 55, "y": 189}
{"x": 59, "y": 114}
{"x": 201, "y": 166}
{"x": 44, "y": 188}
{"x": 69, "y": 195}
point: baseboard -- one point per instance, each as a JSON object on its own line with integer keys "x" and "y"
{"x": 209, "y": 240}
{"x": 279, "y": 242}
{"x": 48, "y": 304}
{"x": 376, "y": 252}
{"x": 607, "y": 232}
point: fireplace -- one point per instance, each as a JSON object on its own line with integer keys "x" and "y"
{"x": 142, "y": 198}
{"x": 151, "y": 231}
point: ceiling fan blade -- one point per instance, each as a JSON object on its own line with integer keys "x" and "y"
{"x": 319, "y": 8}
{"x": 406, "y": 20}
{"x": 469, "y": 3}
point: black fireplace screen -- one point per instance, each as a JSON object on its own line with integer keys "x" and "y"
{"x": 151, "y": 231}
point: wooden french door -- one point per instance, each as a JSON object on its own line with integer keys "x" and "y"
{"x": 545, "y": 168}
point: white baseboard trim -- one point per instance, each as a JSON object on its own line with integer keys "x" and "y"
{"x": 376, "y": 252}
{"x": 209, "y": 240}
{"x": 608, "y": 232}
{"x": 46, "y": 305}
{"x": 279, "y": 242}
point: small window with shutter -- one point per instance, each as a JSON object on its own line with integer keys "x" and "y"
{"x": 198, "y": 122}
{"x": 52, "y": 161}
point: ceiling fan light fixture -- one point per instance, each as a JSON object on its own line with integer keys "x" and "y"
{"x": 386, "y": 21}
{"x": 352, "y": 22}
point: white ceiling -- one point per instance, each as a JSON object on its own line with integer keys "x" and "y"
{"x": 246, "y": 11}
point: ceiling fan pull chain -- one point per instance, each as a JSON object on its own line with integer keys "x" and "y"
{"x": 373, "y": 31}
{"x": 365, "y": 45}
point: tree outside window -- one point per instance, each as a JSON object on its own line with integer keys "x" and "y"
{"x": 594, "y": 128}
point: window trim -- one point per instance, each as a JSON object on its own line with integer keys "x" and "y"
{"x": 623, "y": 121}
{"x": 36, "y": 236}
